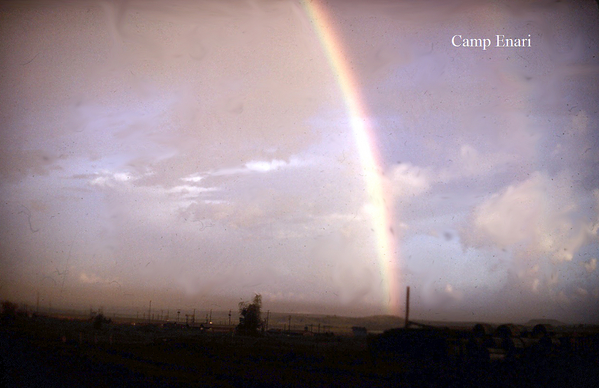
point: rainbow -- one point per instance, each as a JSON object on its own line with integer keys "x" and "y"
{"x": 381, "y": 214}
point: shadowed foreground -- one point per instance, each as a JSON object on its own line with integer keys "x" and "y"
{"x": 51, "y": 352}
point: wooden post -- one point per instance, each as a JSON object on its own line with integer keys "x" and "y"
{"x": 407, "y": 323}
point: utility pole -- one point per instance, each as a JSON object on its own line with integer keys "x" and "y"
{"x": 407, "y": 323}
{"x": 229, "y": 317}
{"x": 267, "y": 318}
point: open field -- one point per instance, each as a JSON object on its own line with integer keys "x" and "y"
{"x": 44, "y": 351}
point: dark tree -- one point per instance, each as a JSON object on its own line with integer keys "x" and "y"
{"x": 250, "y": 320}
{"x": 9, "y": 312}
{"x": 100, "y": 320}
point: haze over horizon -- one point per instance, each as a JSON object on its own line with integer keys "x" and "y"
{"x": 196, "y": 153}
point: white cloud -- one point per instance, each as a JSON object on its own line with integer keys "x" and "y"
{"x": 538, "y": 223}
{"x": 508, "y": 218}
{"x": 101, "y": 181}
{"x": 262, "y": 166}
{"x": 409, "y": 181}
{"x": 190, "y": 191}
{"x": 535, "y": 218}
{"x": 122, "y": 176}
{"x": 215, "y": 202}
{"x": 192, "y": 178}
{"x": 106, "y": 178}
{"x": 155, "y": 202}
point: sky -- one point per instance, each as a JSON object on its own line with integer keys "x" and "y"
{"x": 194, "y": 153}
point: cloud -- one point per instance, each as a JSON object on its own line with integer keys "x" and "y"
{"x": 581, "y": 291}
{"x": 95, "y": 279}
{"x": 590, "y": 265}
{"x": 105, "y": 178}
{"x": 189, "y": 191}
{"x": 259, "y": 166}
{"x": 537, "y": 217}
{"x": 541, "y": 223}
{"x": 469, "y": 162}
{"x": 438, "y": 297}
{"x": 193, "y": 178}
{"x": 455, "y": 294}
{"x": 123, "y": 182}
{"x": 409, "y": 181}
